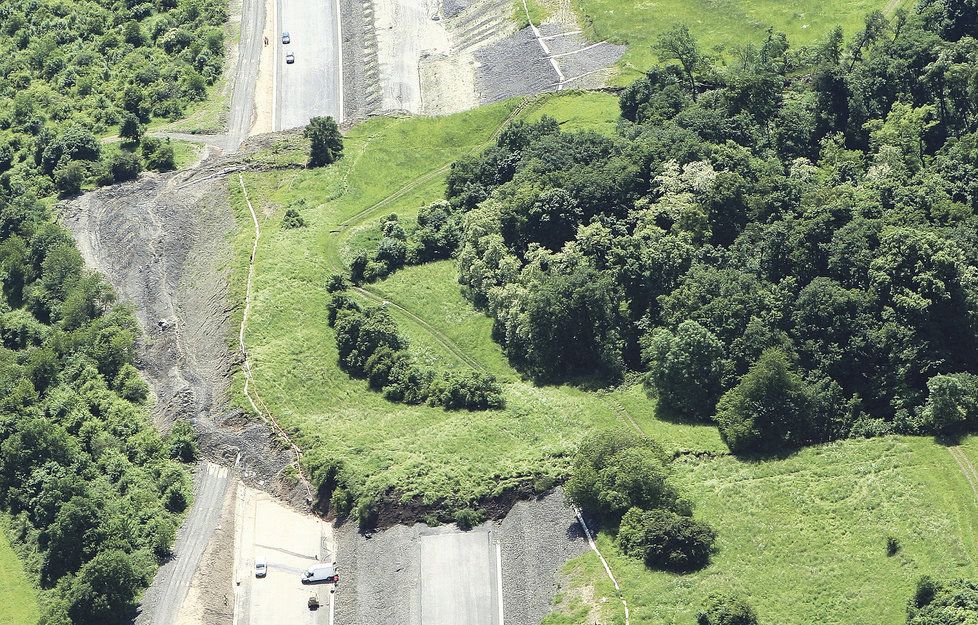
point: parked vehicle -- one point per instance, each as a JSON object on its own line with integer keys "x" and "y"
{"x": 321, "y": 573}
{"x": 290, "y": 58}
{"x": 286, "y": 38}
{"x": 261, "y": 566}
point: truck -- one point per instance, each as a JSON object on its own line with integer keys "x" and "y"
{"x": 321, "y": 573}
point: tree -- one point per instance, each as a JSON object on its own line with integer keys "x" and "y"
{"x": 726, "y": 610}
{"x": 75, "y": 536}
{"x": 952, "y": 402}
{"x": 688, "y": 370}
{"x": 182, "y": 441}
{"x": 130, "y": 128}
{"x": 615, "y": 471}
{"x": 158, "y": 154}
{"x": 770, "y": 408}
{"x": 326, "y": 141}
{"x": 104, "y": 591}
{"x": 124, "y": 166}
{"x": 953, "y": 602}
{"x": 666, "y": 540}
{"x": 69, "y": 178}
{"x": 292, "y": 219}
{"x": 677, "y": 44}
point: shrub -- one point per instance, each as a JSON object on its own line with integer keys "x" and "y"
{"x": 341, "y": 502}
{"x": 726, "y": 610}
{"x": 666, "y": 540}
{"x": 130, "y": 385}
{"x": 471, "y": 390}
{"x": 124, "y": 166}
{"x": 326, "y": 142}
{"x": 467, "y": 518}
{"x": 391, "y": 252}
{"x": 182, "y": 441}
{"x": 358, "y": 266}
{"x": 69, "y": 178}
{"x": 952, "y": 402}
{"x": 336, "y": 283}
{"x": 339, "y": 302}
{"x": 615, "y": 471}
{"x": 158, "y": 154}
{"x": 892, "y": 546}
{"x": 292, "y": 219}
{"x": 953, "y": 602}
{"x": 770, "y": 408}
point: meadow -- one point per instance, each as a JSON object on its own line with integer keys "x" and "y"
{"x": 803, "y": 538}
{"x": 397, "y": 165}
{"x": 18, "y": 599}
{"x": 718, "y": 25}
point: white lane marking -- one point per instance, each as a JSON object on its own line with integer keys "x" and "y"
{"x": 593, "y": 45}
{"x": 499, "y": 581}
{"x": 332, "y": 604}
{"x": 569, "y": 32}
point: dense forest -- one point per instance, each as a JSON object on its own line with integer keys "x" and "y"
{"x": 72, "y": 71}
{"x": 785, "y": 243}
{"x": 94, "y": 492}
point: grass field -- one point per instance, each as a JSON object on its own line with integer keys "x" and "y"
{"x": 417, "y": 450}
{"x": 726, "y": 23}
{"x": 804, "y": 538}
{"x": 18, "y": 598}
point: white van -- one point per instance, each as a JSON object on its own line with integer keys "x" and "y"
{"x": 321, "y": 573}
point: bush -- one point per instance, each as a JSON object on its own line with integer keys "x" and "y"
{"x": 182, "y": 441}
{"x": 326, "y": 142}
{"x": 666, "y": 540}
{"x": 471, "y": 390}
{"x": 953, "y": 602}
{"x": 69, "y": 178}
{"x": 467, "y": 518}
{"x": 158, "y": 154}
{"x": 952, "y": 402}
{"x": 726, "y": 610}
{"x": 292, "y": 219}
{"x": 892, "y": 546}
{"x": 341, "y": 502}
{"x": 616, "y": 471}
{"x": 336, "y": 283}
{"x": 124, "y": 166}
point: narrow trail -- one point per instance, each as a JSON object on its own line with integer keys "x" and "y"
{"x": 967, "y": 468}
{"x": 249, "y": 386}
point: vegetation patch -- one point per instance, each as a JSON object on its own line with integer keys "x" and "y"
{"x": 721, "y": 27}
{"x": 802, "y": 539}
{"x": 18, "y": 596}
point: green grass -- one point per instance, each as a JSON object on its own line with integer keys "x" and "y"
{"x": 18, "y": 598}
{"x": 185, "y": 153}
{"x": 726, "y": 23}
{"x": 417, "y": 450}
{"x": 538, "y": 12}
{"x": 804, "y": 538}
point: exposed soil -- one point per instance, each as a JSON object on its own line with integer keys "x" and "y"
{"x": 162, "y": 243}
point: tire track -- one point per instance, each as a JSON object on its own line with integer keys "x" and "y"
{"x": 967, "y": 468}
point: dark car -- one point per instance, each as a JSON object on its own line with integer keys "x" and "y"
{"x": 290, "y": 58}
{"x": 286, "y": 38}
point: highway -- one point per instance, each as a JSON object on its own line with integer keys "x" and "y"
{"x": 249, "y": 57}
{"x": 313, "y": 85}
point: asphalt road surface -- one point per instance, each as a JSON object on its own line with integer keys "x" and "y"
{"x": 249, "y": 58}
{"x": 458, "y": 579}
{"x": 169, "y": 589}
{"x": 313, "y": 85}
{"x": 289, "y": 543}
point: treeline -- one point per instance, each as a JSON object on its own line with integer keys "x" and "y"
{"x": 71, "y": 72}
{"x": 95, "y": 493}
{"x": 785, "y": 243}
{"x": 371, "y": 347}
{"x": 435, "y": 235}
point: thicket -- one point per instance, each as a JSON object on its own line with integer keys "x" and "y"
{"x": 622, "y": 480}
{"x": 371, "y": 347}
{"x": 71, "y": 72}
{"x": 726, "y": 610}
{"x": 953, "y": 602}
{"x": 435, "y": 236}
{"x": 94, "y": 491}
{"x": 790, "y": 236}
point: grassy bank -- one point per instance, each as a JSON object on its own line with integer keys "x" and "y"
{"x": 396, "y": 165}
{"x": 18, "y": 599}
{"x": 803, "y": 539}
{"x": 715, "y": 23}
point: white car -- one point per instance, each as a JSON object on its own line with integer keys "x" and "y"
{"x": 261, "y": 567}
{"x": 290, "y": 58}
{"x": 286, "y": 38}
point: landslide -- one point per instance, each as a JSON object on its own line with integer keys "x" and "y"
{"x": 162, "y": 242}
